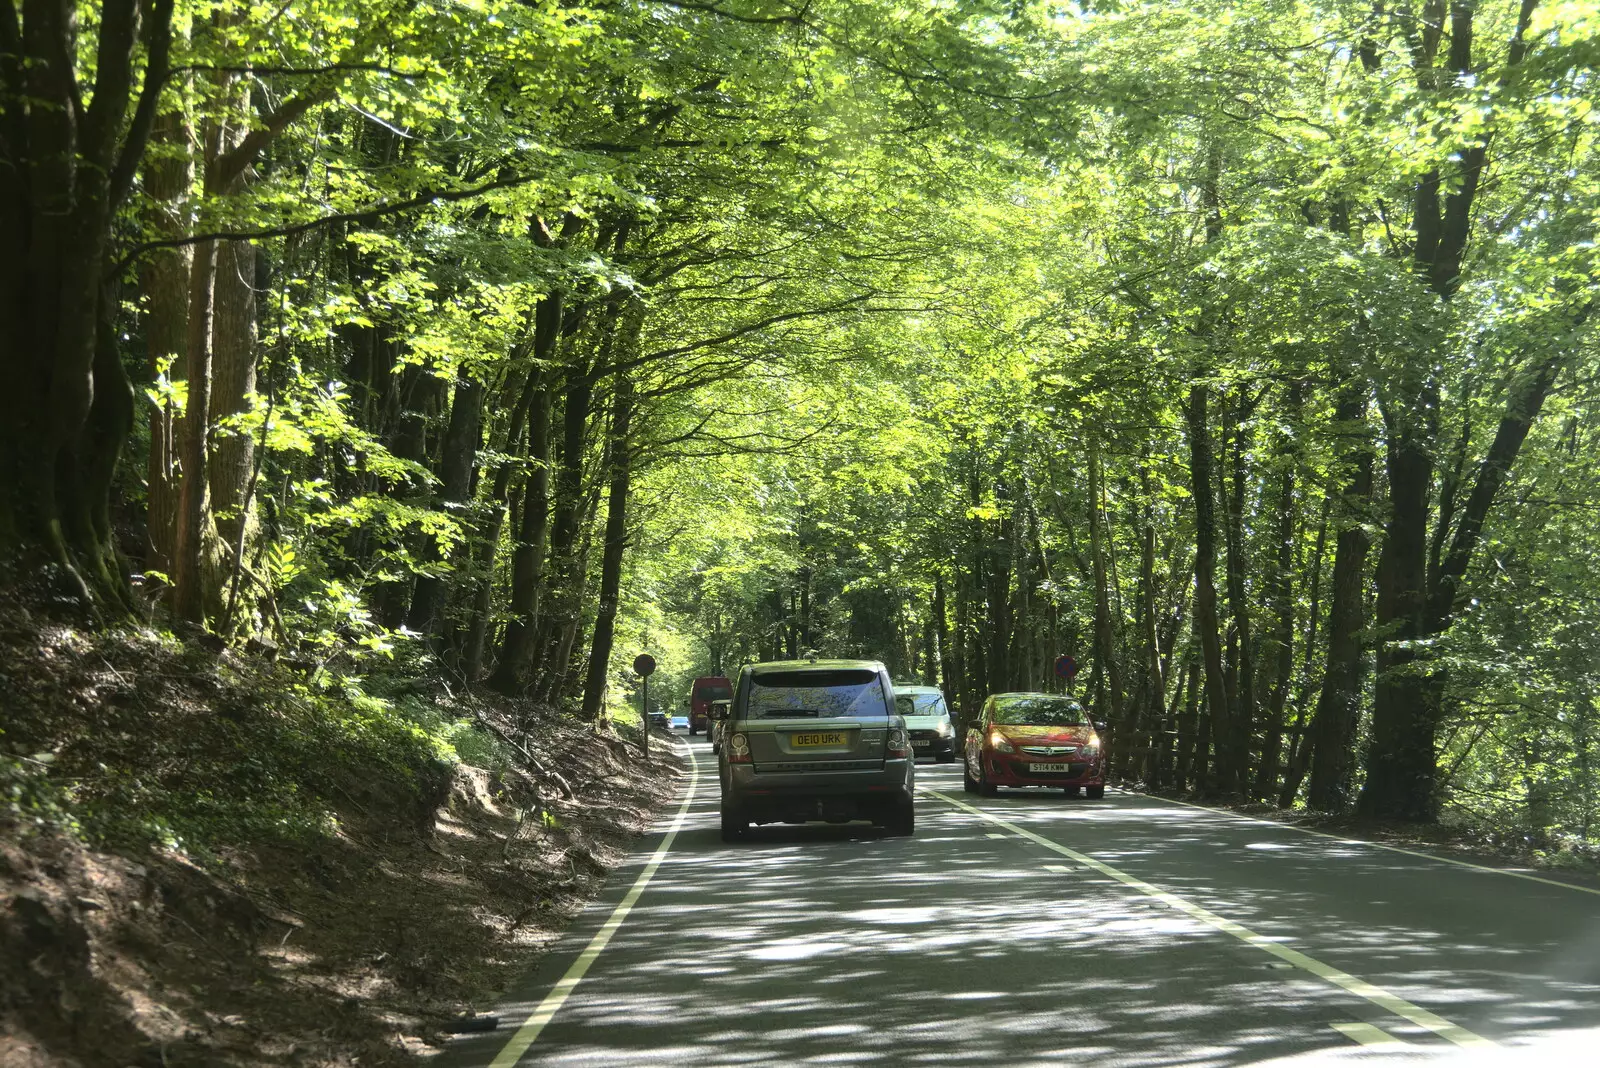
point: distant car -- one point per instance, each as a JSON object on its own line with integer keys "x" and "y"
{"x": 815, "y": 740}
{"x": 1034, "y": 739}
{"x": 659, "y": 720}
{"x": 927, "y": 720}
{"x": 679, "y": 721}
{"x": 702, "y": 692}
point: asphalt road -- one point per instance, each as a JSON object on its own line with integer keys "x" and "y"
{"x": 1032, "y": 929}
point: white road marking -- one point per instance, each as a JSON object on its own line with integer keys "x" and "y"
{"x": 528, "y": 1033}
{"x": 994, "y": 836}
{"x": 1057, "y": 868}
{"x": 1369, "y": 1035}
{"x": 1342, "y": 840}
{"x": 1360, "y": 987}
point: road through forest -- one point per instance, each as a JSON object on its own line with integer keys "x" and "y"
{"x": 1033, "y": 929}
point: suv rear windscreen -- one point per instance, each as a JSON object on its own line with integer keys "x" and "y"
{"x": 832, "y": 694}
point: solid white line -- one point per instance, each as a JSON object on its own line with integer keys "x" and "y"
{"x": 528, "y": 1033}
{"x": 1369, "y": 1035}
{"x": 1342, "y": 840}
{"x": 1359, "y": 987}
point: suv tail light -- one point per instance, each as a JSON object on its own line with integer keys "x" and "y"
{"x": 899, "y": 742}
{"x": 738, "y": 748}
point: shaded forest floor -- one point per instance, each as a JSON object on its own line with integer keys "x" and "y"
{"x": 204, "y": 861}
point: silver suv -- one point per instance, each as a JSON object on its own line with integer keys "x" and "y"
{"x": 815, "y": 740}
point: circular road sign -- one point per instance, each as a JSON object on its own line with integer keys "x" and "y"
{"x": 1066, "y": 666}
{"x": 644, "y": 664}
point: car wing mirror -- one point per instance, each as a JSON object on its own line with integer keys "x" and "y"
{"x": 1099, "y": 724}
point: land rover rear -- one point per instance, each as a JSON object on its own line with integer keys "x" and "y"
{"x": 815, "y": 740}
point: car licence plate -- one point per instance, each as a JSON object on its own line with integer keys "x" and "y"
{"x": 921, "y": 743}
{"x": 820, "y": 738}
{"x": 1048, "y": 768}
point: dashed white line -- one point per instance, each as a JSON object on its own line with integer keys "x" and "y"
{"x": 1369, "y": 1035}
{"x": 1384, "y": 999}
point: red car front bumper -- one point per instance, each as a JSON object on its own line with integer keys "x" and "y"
{"x": 1006, "y": 770}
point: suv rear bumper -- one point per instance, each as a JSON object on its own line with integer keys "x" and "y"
{"x": 795, "y": 797}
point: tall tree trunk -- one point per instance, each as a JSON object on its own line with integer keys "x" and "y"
{"x": 563, "y": 591}
{"x": 1242, "y": 712}
{"x": 941, "y": 631}
{"x": 1192, "y": 731}
{"x": 233, "y": 346}
{"x": 1154, "y": 687}
{"x": 233, "y": 383}
{"x": 561, "y": 683}
{"x": 1280, "y": 596}
{"x": 1331, "y": 747}
{"x": 195, "y": 535}
{"x": 1205, "y": 592}
{"x": 1299, "y": 758}
{"x": 459, "y": 449}
{"x": 616, "y": 538}
{"x": 528, "y": 553}
{"x": 164, "y": 282}
{"x": 1022, "y": 622}
{"x": 1401, "y": 762}
{"x": 1105, "y": 652}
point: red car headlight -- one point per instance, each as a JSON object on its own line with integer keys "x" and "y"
{"x": 999, "y": 743}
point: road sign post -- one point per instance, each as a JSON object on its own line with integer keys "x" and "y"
{"x": 1067, "y": 669}
{"x": 644, "y": 665}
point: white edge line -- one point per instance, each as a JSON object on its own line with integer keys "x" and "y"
{"x": 528, "y": 1033}
{"x": 1343, "y": 840}
{"x": 1389, "y": 1002}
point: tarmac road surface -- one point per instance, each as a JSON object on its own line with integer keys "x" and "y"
{"x": 1031, "y": 929}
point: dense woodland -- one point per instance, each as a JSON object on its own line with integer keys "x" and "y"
{"x": 1242, "y": 349}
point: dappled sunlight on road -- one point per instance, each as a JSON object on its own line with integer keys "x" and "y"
{"x": 969, "y": 945}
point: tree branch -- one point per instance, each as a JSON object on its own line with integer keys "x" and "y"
{"x": 113, "y": 82}
{"x": 367, "y": 214}
{"x": 797, "y": 19}
{"x": 228, "y": 167}
{"x": 158, "y": 49}
{"x": 257, "y": 72}
{"x": 748, "y": 328}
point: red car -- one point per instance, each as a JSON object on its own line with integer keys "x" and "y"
{"x": 705, "y": 689}
{"x": 1034, "y": 739}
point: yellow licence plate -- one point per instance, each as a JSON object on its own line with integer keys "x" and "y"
{"x": 807, "y": 741}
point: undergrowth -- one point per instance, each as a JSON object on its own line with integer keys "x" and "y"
{"x": 129, "y": 739}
